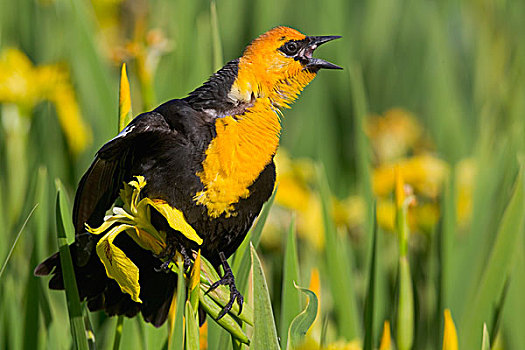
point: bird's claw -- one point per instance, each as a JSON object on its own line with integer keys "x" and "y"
{"x": 172, "y": 246}
{"x": 229, "y": 280}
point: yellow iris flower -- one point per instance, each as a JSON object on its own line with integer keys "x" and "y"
{"x": 23, "y": 84}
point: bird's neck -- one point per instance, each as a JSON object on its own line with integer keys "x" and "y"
{"x": 245, "y": 142}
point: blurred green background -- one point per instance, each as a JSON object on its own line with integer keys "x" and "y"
{"x": 434, "y": 88}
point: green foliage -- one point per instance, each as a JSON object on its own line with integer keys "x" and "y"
{"x": 291, "y": 303}
{"x": 265, "y": 332}
{"x": 78, "y": 330}
{"x": 458, "y": 66}
{"x": 303, "y": 321}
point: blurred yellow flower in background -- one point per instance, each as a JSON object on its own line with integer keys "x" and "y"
{"x": 424, "y": 173}
{"x": 297, "y": 191}
{"x": 23, "y": 84}
{"x": 393, "y": 135}
{"x": 398, "y": 140}
{"x": 126, "y": 36}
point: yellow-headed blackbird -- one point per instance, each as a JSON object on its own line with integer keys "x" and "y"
{"x": 208, "y": 155}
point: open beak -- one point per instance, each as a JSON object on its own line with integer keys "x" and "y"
{"x": 312, "y": 63}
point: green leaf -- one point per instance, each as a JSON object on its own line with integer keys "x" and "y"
{"x": 264, "y": 333}
{"x": 241, "y": 262}
{"x": 177, "y": 341}
{"x": 485, "y": 344}
{"x": 217, "y": 45}
{"x": 405, "y": 308}
{"x": 227, "y": 321}
{"x": 291, "y": 302}
{"x": 302, "y": 322}
{"x": 221, "y": 294}
{"x": 370, "y": 295}
{"x": 498, "y": 312}
{"x": 192, "y": 328}
{"x": 338, "y": 266}
{"x": 65, "y": 211}
{"x": 360, "y": 110}
{"x": 78, "y": 330}
{"x": 4, "y": 265}
{"x": 31, "y": 309}
{"x": 498, "y": 267}
{"x": 118, "y": 332}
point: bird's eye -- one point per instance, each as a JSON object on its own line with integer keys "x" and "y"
{"x": 290, "y": 48}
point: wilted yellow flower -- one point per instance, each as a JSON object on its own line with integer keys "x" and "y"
{"x": 133, "y": 218}
{"x": 393, "y": 134}
{"x": 25, "y": 85}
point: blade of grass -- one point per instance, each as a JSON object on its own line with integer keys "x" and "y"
{"x": 370, "y": 295}
{"x": 118, "y": 332}
{"x": 217, "y": 45}
{"x": 444, "y": 239}
{"x": 41, "y": 222}
{"x": 192, "y": 328}
{"x": 16, "y": 241}
{"x": 360, "y": 112}
{"x": 227, "y": 321}
{"x": 90, "y": 334}
{"x": 405, "y": 310}
{"x": 338, "y": 264}
{"x": 291, "y": 302}
{"x": 241, "y": 261}
{"x": 485, "y": 344}
{"x": 497, "y": 269}
{"x": 177, "y": 339}
{"x": 265, "y": 332}
{"x": 302, "y": 322}
{"x": 214, "y": 334}
{"x": 31, "y": 307}
{"x": 70, "y": 285}
{"x": 498, "y": 313}
{"x": 65, "y": 211}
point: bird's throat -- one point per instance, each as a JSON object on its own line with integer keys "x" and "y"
{"x": 246, "y": 143}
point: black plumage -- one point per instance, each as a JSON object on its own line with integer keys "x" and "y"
{"x": 167, "y": 146}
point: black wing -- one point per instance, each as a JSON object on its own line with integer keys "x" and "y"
{"x": 100, "y": 185}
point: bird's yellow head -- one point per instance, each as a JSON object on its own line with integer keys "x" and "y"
{"x": 278, "y": 65}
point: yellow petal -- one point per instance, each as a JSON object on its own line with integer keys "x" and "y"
{"x": 315, "y": 286}
{"x": 399, "y": 190}
{"x": 171, "y": 316}
{"x": 118, "y": 265}
{"x": 175, "y": 219}
{"x": 124, "y": 100}
{"x": 108, "y": 222}
{"x": 147, "y": 241}
{"x": 386, "y": 338}
{"x": 77, "y": 132}
{"x": 195, "y": 276}
{"x": 450, "y": 337}
{"x": 138, "y": 185}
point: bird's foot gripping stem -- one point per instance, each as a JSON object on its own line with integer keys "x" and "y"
{"x": 229, "y": 280}
{"x": 172, "y": 247}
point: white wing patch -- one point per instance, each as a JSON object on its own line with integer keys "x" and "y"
{"x": 123, "y": 133}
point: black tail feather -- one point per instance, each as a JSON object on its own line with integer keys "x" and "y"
{"x": 103, "y": 293}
